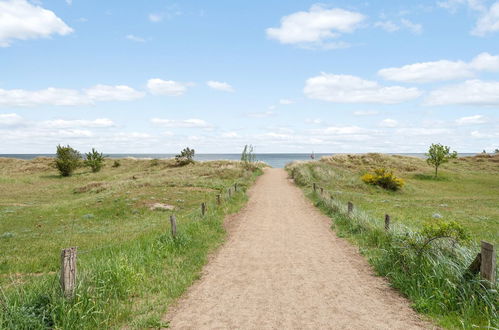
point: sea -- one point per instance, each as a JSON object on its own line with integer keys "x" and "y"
{"x": 278, "y": 160}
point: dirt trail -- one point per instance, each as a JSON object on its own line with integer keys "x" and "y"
{"x": 283, "y": 268}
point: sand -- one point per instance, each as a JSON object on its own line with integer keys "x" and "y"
{"x": 282, "y": 267}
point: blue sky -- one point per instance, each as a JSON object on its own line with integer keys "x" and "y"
{"x": 285, "y": 76}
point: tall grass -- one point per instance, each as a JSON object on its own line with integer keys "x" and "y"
{"x": 436, "y": 281}
{"x": 129, "y": 282}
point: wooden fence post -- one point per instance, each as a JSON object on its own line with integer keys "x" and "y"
{"x": 230, "y": 193}
{"x": 173, "y": 223}
{"x": 314, "y": 186}
{"x": 350, "y": 207}
{"x": 387, "y": 222}
{"x": 68, "y": 271}
{"x": 203, "y": 208}
{"x": 488, "y": 264}
{"x": 322, "y": 191}
{"x": 235, "y": 187}
{"x": 218, "y": 199}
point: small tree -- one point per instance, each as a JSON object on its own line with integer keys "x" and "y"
{"x": 185, "y": 157}
{"x": 439, "y": 154}
{"x": 67, "y": 160}
{"x": 94, "y": 160}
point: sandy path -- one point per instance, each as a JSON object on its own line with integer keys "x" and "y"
{"x": 283, "y": 268}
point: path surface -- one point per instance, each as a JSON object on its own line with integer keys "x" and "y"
{"x": 283, "y": 268}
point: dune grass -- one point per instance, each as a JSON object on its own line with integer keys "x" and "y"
{"x": 436, "y": 281}
{"x": 129, "y": 267}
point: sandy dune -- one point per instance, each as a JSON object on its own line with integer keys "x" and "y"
{"x": 283, "y": 268}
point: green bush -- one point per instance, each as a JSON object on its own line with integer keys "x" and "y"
{"x": 116, "y": 163}
{"x": 67, "y": 160}
{"x": 94, "y": 160}
{"x": 185, "y": 157}
{"x": 383, "y": 178}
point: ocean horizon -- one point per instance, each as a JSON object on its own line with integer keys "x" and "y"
{"x": 278, "y": 160}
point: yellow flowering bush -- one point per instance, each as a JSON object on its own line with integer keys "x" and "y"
{"x": 383, "y": 178}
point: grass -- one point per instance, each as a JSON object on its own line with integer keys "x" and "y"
{"x": 129, "y": 267}
{"x": 435, "y": 281}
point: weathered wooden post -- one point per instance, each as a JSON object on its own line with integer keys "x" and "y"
{"x": 230, "y": 193}
{"x": 173, "y": 223}
{"x": 218, "y": 199}
{"x": 322, "y": 191}
{"x": 350, "y": 208}
{"x": 314, "y": 186}
{"x": 488, "y": 264}
{"x": 235, "y": 187}
{"x": 68, "y": 271}
{"x": 203, "y": 208}
{"x": 387, "y": 222}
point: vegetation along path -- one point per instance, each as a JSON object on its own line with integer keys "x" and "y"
{"x": 282, "y": 267}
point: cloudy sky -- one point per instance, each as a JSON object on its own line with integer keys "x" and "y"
{"x": 285, "y": 76}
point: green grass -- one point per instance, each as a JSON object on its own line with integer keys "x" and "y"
{"x": 435, "y": 281}
{"x": 129, "y": 267}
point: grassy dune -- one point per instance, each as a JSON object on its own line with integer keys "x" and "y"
{"x": 130, "y": 268}
{"x": 435, "y": 280}
{"x": 466, "y": 190}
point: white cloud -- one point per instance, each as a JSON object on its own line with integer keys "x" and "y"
{"x": 413, "y": 27}
{"x": 155, "y": 18}
{"x": 388, "y": 123}
{"x": 351, "y": 89}
{"x": 470, "y": 92}
{"x": 62, "y": 123}
{"x": 452, "y": 5}
{"x": 230, "y": 135}
{"x": 167, "y": 87}
{"x": 388, "y": 26}
{"x": 113, "y": 93}
{"x": 315, "y": 26}
{"x": 221, "y": 86}
{"x": 260, "y": 114}
{"x": 365, "y": 113}
{"x": 488, "y": 22}
{"x": 340, "y": 130}
{"x": 11, "y": 120}
{"x": 471, "y": 120}
{"x": 186, "y": 123}
{"x": 315, "y": 121}
{"x": 286, "y": 101}
{"x": 67, "y": 97}
{"x": 418, "y": 131}
{"x": 441, "y": 70}
{"x": 135, "y": 38}
{"x": 48, "y": 96}
{"x": 22, "y": 20}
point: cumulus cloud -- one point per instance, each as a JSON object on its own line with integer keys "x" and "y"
{"x": 286, "y": 101}
{"x": 67, "y": 97}
{"x": 315, "y": 26}
{"x": 470, "y": 92}
{"x": 441, "y": 70}
{"x": 351, "y": 89}
{"x": 167, "y": 87}
{"x": 11, "y": 120}
{"x": 220, "y": 86}
{"x": 488, "y": 21}
{"x": 113, "y": 93}
{"x": 135, "y": 38}
{"x": 471, "y": 120}
{"x": 413, "y": 27}
{"x": 388, "y": 26}
{"x": 62, "y": 123}
{"x": 22, "y": 20}
{"x": 388, "y": 123}
{"x": 155, "y": 18}
{"x": 185, "y": 123}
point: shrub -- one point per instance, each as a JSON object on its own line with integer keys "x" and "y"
{"x": 154, "y": 162}
{"x": 384, "y": 179}
{"x": 249, "y": 158}
{"x": 185, "y": 157}
{"x": 94, "y": 160}
{"x": 116, "y": 163}
{"x": 67, "y": 160}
